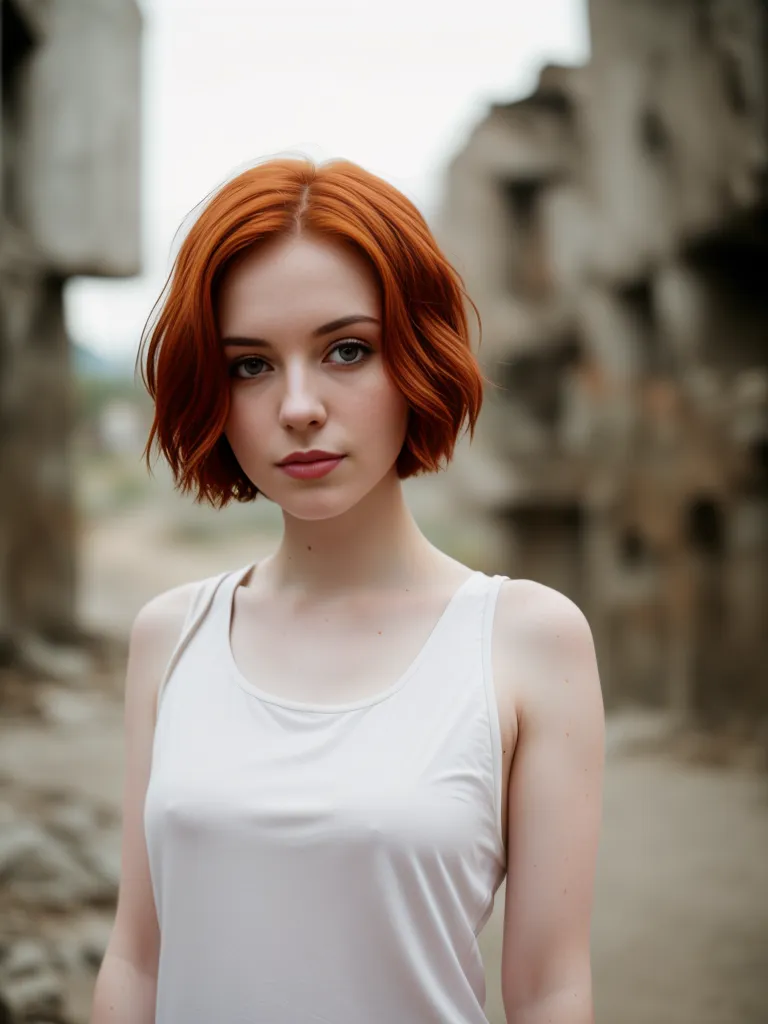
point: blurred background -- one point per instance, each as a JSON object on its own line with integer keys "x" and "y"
{"x": 598, "y": 173}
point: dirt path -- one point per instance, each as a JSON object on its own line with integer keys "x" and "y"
{"x": 681, "y": 917}
{"x": 680, "y": 928}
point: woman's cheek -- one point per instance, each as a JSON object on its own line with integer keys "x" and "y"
{"x": 243, "y": 436}
{"x": 244, "y": 419}
{"x": 380, "y": 399}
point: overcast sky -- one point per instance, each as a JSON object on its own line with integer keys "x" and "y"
{"x": 394, "y": 86}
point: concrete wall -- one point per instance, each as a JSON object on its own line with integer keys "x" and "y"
{"x": 69, "y": 140}
{"x": 79, "y": 145}
{"x": 613, "y": 230}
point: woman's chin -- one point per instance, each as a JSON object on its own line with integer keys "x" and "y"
{"x": 315, "y": 500}
{"x": 316, "y": 507}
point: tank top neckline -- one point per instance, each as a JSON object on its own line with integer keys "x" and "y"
{"x": 346, "y": 706}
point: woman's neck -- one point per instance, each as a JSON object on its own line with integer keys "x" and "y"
{"x": 375, "y": 544}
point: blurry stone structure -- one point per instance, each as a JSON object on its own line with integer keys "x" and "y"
{"x": 612, "y": 228}
{"x": 69, "y": 205}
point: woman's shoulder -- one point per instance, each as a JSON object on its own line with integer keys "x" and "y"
{"x": 167, "y": 607}
{"x": 161, "y": 619}
{"x": 157, "y": 629}
{"x": 159, "y": 623}
{"x": 546, "y": 640}
{"x": 535, "y": 606}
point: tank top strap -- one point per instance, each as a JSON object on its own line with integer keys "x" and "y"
{"x": 466, "y": 629}
{"x": 489, "y": 588}
{"x": 492, "y": 587}
{"x": 203, "y": 595}
{"x": 473, "y": 608}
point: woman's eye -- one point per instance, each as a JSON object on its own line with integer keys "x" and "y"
{"x": 350, "y": 354}
{"x": 246, "y": 368}
{"x": 348, "y": 350}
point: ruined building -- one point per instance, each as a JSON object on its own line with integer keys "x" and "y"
{"x": 69, "y": 205}
{"x": 612, "y": 228}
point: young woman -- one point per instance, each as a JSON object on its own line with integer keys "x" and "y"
{"x": 335, "y": 756}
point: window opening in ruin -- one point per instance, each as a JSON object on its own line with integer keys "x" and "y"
{"x": 529, "y": 271}
{"x": 638, "y": 301}
{"x": 654, "y": 136}
{"x": 633, "y": 548}
{"x": 732, "y": 268}
{"x": 550, "y": 542}
{"x": 737, "y": 260}
{"x": 556, "y": 100}
{"x": 734, "y": 86}
{"x": 17, "y": 43}
{"x": 706, "y": 531}
{"x": 702, "y": 15}
{"x": 537, "y": 379}
{"x": 527, "y": 378}
{"x": 758, "y": 451}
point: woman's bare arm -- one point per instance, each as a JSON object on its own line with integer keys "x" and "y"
{"x": 554, "y": 809}
{"x": 125, "y": 988}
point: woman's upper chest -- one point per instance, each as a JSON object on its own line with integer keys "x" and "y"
{"x": 350, "y": 683}
{"x": 336, "y": 651}
{"x": 315, "y": 742}
{"x": 353, "y": 650}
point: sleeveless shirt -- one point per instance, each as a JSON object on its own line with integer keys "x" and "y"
{"x": 325, "y": 864}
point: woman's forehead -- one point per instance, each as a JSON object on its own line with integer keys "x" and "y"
{"x": 298, "y": 282}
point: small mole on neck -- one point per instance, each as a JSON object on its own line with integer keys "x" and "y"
{"x": 309, "y": 547}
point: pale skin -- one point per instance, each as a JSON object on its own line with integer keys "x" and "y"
{"x": 357, "y": 580}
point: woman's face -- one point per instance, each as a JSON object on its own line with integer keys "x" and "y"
{"x": 302, "y": 379}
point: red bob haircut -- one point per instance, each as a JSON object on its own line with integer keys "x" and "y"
{"x": 425, "y": 337}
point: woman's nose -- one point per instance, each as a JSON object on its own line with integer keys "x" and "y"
{"x": 301, "y": 404}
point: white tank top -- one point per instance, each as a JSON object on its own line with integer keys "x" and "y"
{"x": 326, "y": 864}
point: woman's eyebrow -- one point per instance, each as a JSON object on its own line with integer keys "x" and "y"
{"x": 334, "y": 325}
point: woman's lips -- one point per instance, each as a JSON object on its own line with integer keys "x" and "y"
{"x": 311, "y": 470}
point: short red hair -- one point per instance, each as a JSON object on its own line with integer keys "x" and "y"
{"x": 425, "y": 339}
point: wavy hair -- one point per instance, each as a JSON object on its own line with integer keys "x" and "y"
{"x": 425, "y": 337}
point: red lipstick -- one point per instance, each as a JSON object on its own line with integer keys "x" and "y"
{"x": 311, "y": 464}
